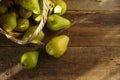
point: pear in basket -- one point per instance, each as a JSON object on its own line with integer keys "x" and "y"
{"x": 60, "y": 7}
{"x": 8, "y": 21}
{"x": 32, "y": 5}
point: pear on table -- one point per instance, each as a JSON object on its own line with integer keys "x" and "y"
{"x": 29, "y": 59}
{"x": 60, "y": 7}
{"x": 57, "y": 46}
{"x": 56, "y": 22}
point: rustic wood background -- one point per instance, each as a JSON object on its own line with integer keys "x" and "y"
{"x": 93, "y": 52}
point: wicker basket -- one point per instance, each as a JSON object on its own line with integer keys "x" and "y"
{"x": 46, "y": 10}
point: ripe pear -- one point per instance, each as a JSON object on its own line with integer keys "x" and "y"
{"x": 30, "y": 31}
{"x": 3, "y": 9}
{"x": 60, "y": 7}
{"x": 32, "y": 5}
{"x": 22, "y": 24}
{"x": 56, "y": 22}
{"x": 25, "y": 13}
{"x": 37, "y": 17}
{"x": 57, "y": 46}
{"x": 29, "y": 59}
{"x": 8, "y": 21}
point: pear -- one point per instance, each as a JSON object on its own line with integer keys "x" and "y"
{"x": 25, "y": 13}
{"x": 60, "y": 7}
{"x": 22, "y": 24}
{"x": 56, "y": 22}
{"x": 32, "y": 5}
{"x": 29, "y": 59}
{"x": 8, "y": 21}
{"x": 3, "y": 9}
{"x": 30, "y": 31}
{"x": 37, "y": 17}
{"x": 57, "y": 46}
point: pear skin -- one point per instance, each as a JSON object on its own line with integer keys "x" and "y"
{"x": 9, "y": 21}
{"x": 25, "y": 13}
{"x": 57, "y": 46}
{"x": 30, "y": 31}
{"x": 37, "y": 17}
{"x": 60, "y": 7}
{"x": 56, "y": 22}
{"x": 29, "y": 59}
{"x": 22, "y": 24}
{"x": 32, "y": 5}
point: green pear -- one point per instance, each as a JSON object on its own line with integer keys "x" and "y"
{"x": 29, "y": 59}
{"x": 22, "y": 24}
{"x": 32, "y": 5}
{"x": 8, "y": 21}
{"x": 37, "y": 17}
{"x": 25, "y": 13}
{"x": 57, "y": 46}
{"x": 56, "y": 22}
{"x": 3, "y": 9}
{"x": 30, "y": 31}
{"x": 60, "y": 7}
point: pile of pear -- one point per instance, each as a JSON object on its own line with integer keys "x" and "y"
{"x": 23, "y": 16}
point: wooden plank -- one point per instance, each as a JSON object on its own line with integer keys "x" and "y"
{"x": 94, "y": 5}
{"x": 87, "y": 30}
{"x": 93, "y": 52}
{"x": 79, "y": 63}
{"x": 94, "y": 30}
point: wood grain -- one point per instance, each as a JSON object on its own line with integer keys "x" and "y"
{"x": 93, "y": 52}
{"x": 86, "y": 30}
{"x": 94, "y": 5}
{"x": 96, "y": 30}
{"x": 79, "y": 63}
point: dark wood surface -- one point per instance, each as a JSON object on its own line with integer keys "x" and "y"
{"x": 93, "y": 52}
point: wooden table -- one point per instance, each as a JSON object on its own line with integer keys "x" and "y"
{"x": 93, "y": 52}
